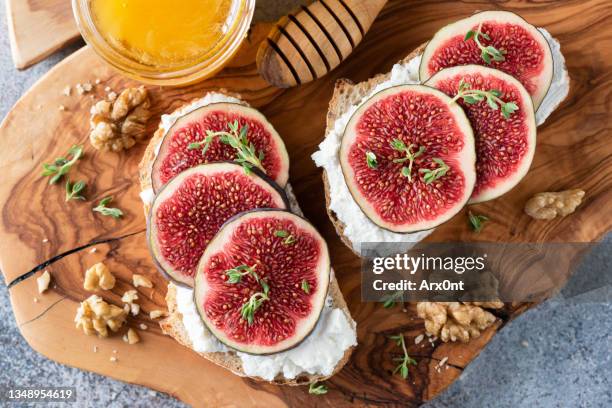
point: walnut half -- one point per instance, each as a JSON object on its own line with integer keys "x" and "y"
{"x": 94, "y": 315}
{"x": 546, "y": 206}
{"x": 452, "y": 321}
{"x": 118, "y": 124}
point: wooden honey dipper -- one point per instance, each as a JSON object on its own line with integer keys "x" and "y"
{"x": 307, "y": 45}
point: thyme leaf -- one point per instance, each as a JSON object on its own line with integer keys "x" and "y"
{"x": 104, "y": 210}
{"x": 371, "y": 160}
{"x": 477, "y": 221}
{"x": 305, "y": 286}
{"x": 486, "y": 52}
{"x": 406, "y": 360}
{"x": 317, "y": 389}
{"x": 235, "y": 274}
{"x": 289, "y": 238}
{"x": 236, "y": 137}
{"x": 248, "y": 309}
{"x": 410, "y": 156}
{"x": 392, "y": 299}
{"x": 472, "y": 96}
{"x": 73, "y": 191}
{"x": 429, "y": 175}
{"x": 62, "y": 165}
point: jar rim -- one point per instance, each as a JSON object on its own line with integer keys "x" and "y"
{"x": 174, "y": 77}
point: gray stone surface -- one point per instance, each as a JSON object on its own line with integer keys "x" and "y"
{"x": 558, "y": 354}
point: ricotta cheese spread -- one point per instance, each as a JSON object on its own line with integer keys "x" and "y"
{"x": 358, "y": 227}
{"x": 319, "y": 353}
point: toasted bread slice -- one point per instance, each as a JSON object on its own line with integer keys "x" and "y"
{"x": 173, "y": 324}
{"x": 347, "y": 94}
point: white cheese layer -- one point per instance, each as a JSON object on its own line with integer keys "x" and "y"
{"x": 358, "y": 227}
{"x": 318, "y": 354}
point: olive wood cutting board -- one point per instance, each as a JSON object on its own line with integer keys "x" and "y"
{"x": 39, "y": 231}
{"x": 38, "y": 28}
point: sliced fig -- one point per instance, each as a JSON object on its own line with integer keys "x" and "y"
{"x": 496, "y": 39}
{"x": 502, "y": 117}
{"x": 190, "y": 209}
{"x": 408, "y": 158}
{"x": 176, "y": 155}
{"x": 262, "y": 281}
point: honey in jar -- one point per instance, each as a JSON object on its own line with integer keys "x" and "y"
{"x": 165, "y": 34}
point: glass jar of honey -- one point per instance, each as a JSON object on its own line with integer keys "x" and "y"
{"x": 165, "y": 42}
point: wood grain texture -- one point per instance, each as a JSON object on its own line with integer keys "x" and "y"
{"x": 38, "y": 28}
{"x": 309, "y": 43}
{"x": 573, "y": 151}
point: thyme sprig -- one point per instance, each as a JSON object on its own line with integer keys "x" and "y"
{"x": 371, "y": 160}
{"x": 317, "y": 389}
{"x": 477, "y": 221}
{"x": 104, "y": 210}
{"x": 429, "y": 175}
{"x": 235, "y": 274}
{"x": 410, "y": 156}
{"x": 471, "y": 96}
{"x": 255, "y": 301}
{"x": 248, "y": 309}
{"x": 62, "y": 165}
{"x": 73, "y": 191}
{"x": 237, "y": 138}
{"x": 391, "y": 299}
{"x": 405, "y": 360}
{"x": 486, "y": 52}
{"x": 289, "y": 239}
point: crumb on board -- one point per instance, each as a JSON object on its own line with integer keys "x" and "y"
{"x": 140, "y": 280}
{"x": 43, "y": 281}
{"x": 131, "y": 337}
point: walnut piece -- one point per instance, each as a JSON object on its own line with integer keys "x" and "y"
{"x": 98, "y": 277}
{"x": 43, "y": 281}
{"x": 130, "y": 298}
{"x": 156, "y": 314}
{"x": 117, "y": 124}
{"x": 95, "y": 316}
{"x": 140, "y": 280}
{"x": 452, "y": 321}
{"x": 131, "y": 337}
{"x": 546, "y": 206}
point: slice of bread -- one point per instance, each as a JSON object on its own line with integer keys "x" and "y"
{"x": 173, "y": 324}
{"x": 347, "y": 94}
